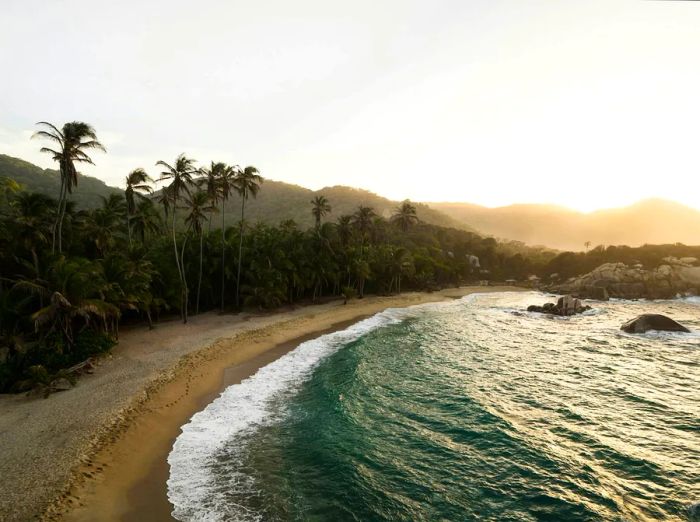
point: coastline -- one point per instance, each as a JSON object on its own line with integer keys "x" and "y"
{"x": 108, "y": 462}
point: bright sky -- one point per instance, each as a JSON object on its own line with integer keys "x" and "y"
{"x": 586, "y": 104}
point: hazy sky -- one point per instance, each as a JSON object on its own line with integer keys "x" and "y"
{"x": 583, "y": 103}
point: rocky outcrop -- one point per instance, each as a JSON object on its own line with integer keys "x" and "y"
{"x": 565, "y": 306}
{"x": 646, "y": 322}
{"x": 674, "y": 277}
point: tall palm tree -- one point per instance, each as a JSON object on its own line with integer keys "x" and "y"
{"x": 199, "y": 206}
{"x": 246, "y": 183}
{"x": 136, "y": 186}
{"x": 405, "y": 216}
{"x": 319, "y": 208}
{"x": 180, "y": 176}
{"x": 218, "y": 182}
{"x": 72, "y": 142}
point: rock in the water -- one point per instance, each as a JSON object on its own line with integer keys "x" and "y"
{"x": 646, "y": 322}
{"x": 566, "y": 305}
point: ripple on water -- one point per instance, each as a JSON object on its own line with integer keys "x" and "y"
{"x": 458, "y": 411}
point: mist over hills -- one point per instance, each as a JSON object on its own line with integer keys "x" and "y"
{"x": 651, "y": 221}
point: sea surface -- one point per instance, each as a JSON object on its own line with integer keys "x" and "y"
{"x": 465, "y": 410}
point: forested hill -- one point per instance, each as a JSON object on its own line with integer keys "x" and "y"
{"x": 276, "y": 201}
{"x": 35, "y": 179}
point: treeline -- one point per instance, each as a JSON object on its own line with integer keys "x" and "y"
{"x": 69, "y": 277}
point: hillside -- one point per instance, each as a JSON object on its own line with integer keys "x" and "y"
{"x": 35, "y": 179}
{"x": 277, "y": 201}
{"x": 652, "y": 221}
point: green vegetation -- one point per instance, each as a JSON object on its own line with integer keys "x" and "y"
{"x": 69, "y": 276}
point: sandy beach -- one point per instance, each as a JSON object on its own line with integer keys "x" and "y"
{"x": 98, "y": 451}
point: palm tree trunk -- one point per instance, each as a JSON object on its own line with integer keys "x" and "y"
{"x": 240, "y": 253}
{"x": 177, "y": 260}
{"x": 185, "y": 290}
{"x": 59, "y": 210}
{"x": 60, "y": 221}
{"x": 199, "y": 282}
{"x": 223, "y": 252}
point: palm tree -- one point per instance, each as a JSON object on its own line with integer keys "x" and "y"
{"x": 587, "y": 244}
{"x": 345, "y": 229}
{"x": 34, "y": 213}
{"x": 219, "y": 179}
{"x": 200, "y": 207}
{"x": 405, "y": 216}
{"x": 72, "y": 142}
{"x": 363, "y": 219}
{"x": 104, "y": 225}
{"x": 136, "y": 186}
{"x": 246, "y": 183}
{"x": 319, "y": 208}
{"x": 180, "y": 177}
{"x": 146, "y": 220}
{"x": 209, "y": 181}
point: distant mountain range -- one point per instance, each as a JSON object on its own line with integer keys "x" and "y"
{"x": 652, "y": 221}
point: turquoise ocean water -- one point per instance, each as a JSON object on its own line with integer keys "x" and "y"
{"x": 467, "y": 410}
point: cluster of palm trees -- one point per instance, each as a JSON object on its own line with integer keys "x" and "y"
{"x": 203, "y": 190}
{"x": 69, "y": 276}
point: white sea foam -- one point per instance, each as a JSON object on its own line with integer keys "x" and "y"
{"x": 239, "y": 411}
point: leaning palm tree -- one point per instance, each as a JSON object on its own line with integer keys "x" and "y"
{"x": 72, "y": 142}
{"x": 200, "y": 207}
{"x": 137, "y": 184}
{"x": 180, "y": 177}
{"x": 246, "y": 183}
{"x": 319, "y": 208}
{"x": 405, "y": 216}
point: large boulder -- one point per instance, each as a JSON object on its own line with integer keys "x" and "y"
{"x": 646, "y": 322}
{"x": 634, "y": 282}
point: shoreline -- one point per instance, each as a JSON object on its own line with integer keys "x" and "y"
{"x": 117, "y": 469}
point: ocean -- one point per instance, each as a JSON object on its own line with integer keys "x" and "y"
{"x": 465, "y": 410}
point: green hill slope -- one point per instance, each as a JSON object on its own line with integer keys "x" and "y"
{"x": 277, "y": 201}
{"x": 35, "y": 179}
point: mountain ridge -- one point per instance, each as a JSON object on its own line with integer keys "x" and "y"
{"x": 648, "y": 221}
